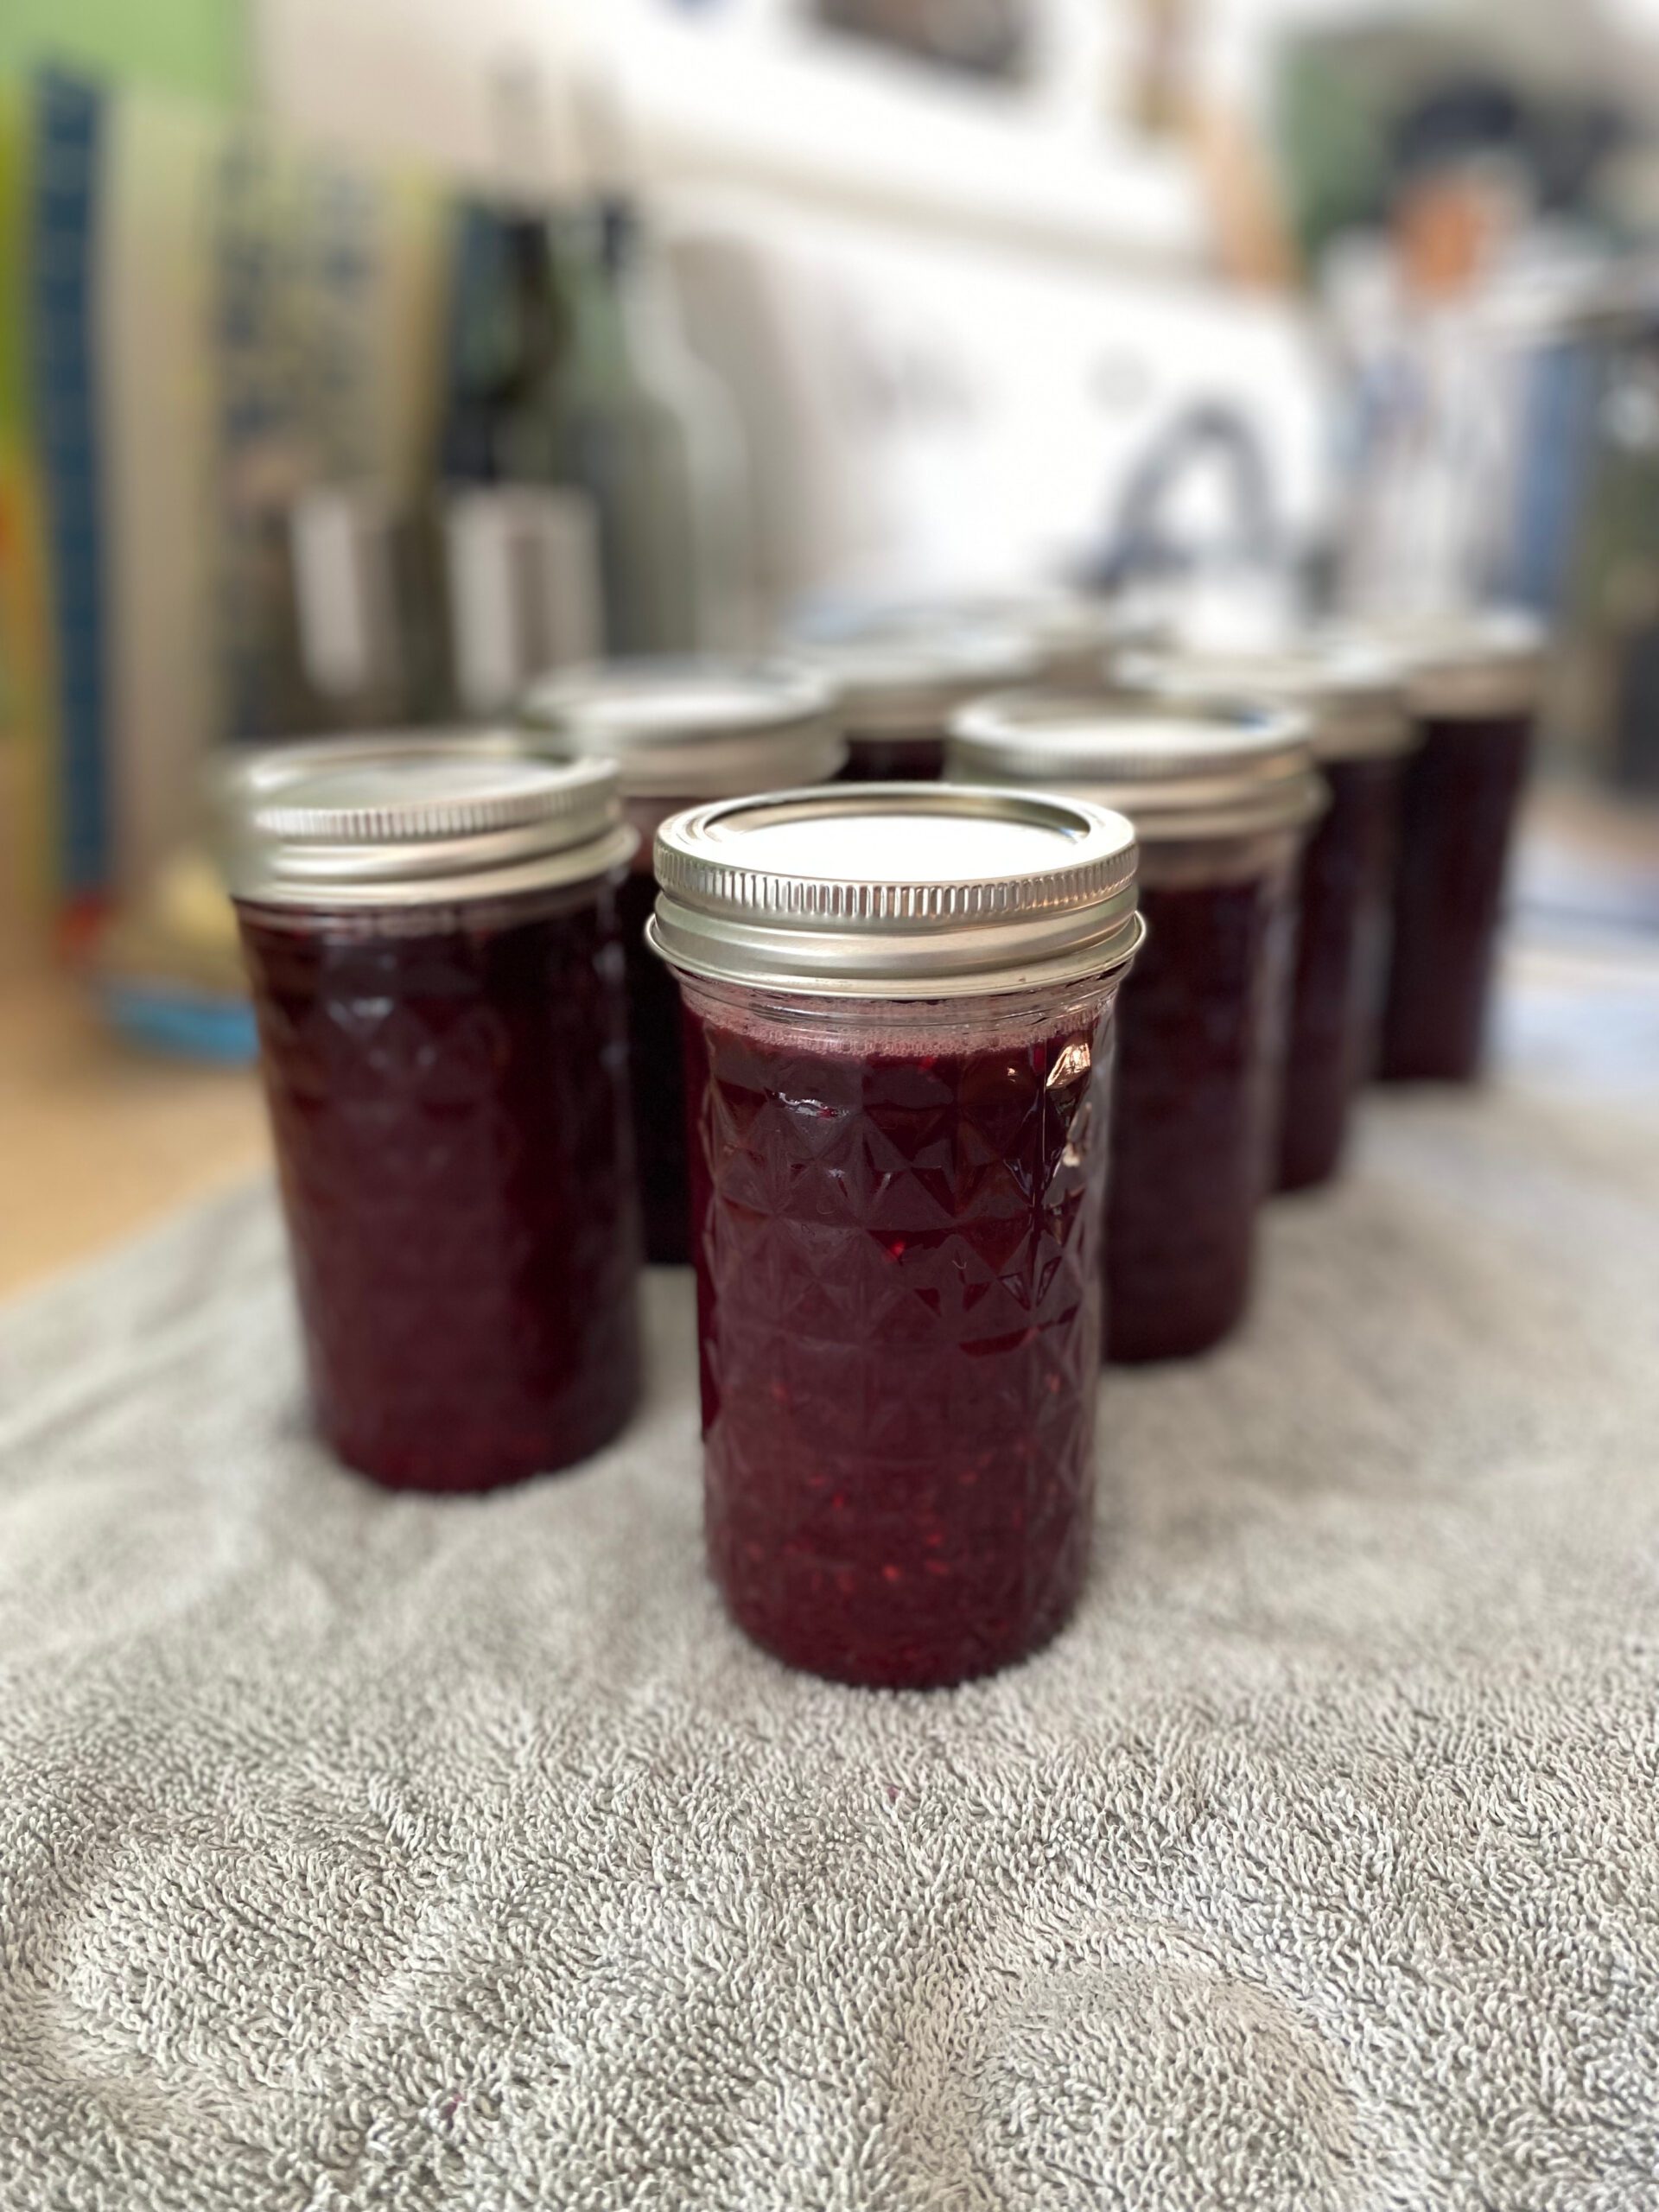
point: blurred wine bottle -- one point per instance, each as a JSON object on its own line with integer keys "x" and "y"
{"x": 647, "y": 433}
{"x": 520, "y": 546}
{"x": 509, "y": 329}
{"x": 594, "y": 467}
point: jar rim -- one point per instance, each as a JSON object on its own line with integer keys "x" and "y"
{"x": 691, "y": 725}
{"x": 1352, "y": 694}
{"x": 1049, "y": 622}
{"x": 1177, "y": 769}
{"x": 910, "y": 676}
{"x": 1465, "y": 663}
{"x": 410, "y": 820}
{"x": 896, "y": 890}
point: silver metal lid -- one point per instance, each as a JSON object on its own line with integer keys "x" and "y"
{"x": 1058, "y": 629}
{"x": 693, "y": 729}
{"x": 414, "y": 821}
{"x": 236, "y": 772}
{"x": 1353, "y": 696}
{"x": 1176, "y": 771}
{"x": 1468, "y": 665}
{"x": 897, "y": 891}
{"x": 899, "y": 676}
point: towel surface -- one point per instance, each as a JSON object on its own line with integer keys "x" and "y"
{"x": 362, "y": 1851}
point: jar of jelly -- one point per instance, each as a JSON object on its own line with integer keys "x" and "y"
{"x": 429, "y": 928}
{"x": 899, "y": 1013}
{"x": 1472, "y": 683}
{"x": 898, "y": 680}
{"x": 1221, "y": 801}
{"x": 1361, "y": 733}
{"x": 679, "y": 731}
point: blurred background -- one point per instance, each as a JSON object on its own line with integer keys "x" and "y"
{"x": 361, "y": 360}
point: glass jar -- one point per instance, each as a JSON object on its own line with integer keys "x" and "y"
{"x": 899, "y": 679}
{"x": 898, "y": 1004}
{"x": 1221, "y": 801}
{"x": 1472, "y": 685}
{"x": 679, "y": 730}
{"x": 1361, "y": 733}
{"x": 430, "y": 937}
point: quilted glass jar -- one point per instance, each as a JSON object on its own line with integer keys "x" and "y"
{"x": 430, "y": 935}
{"x": 678, "y": 731}
{"x": 1220, "y": 802}
{"x": 898, "y": 1004}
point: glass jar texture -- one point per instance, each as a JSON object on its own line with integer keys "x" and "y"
{"x": 898, "y": 1218}
{"x": 449, "y": 1101}
{"x": 897, "y": 1007}
{"x": 429, "y": 931}
{"x": 1196, "y": 1104}
{"x": 1461, "y": 794}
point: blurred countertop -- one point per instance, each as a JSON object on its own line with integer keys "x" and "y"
{"x": 97, "y": 1139}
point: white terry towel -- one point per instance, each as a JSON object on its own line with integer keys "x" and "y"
{"x": 359, "y": 1851}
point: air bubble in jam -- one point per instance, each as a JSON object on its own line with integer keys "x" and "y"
{"x": 448, "y": 1099}
{"x": 899, "y": 1291}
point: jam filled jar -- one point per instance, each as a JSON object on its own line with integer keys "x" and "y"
{"x": 430, "y": 935}
{"x": 679, "y": 731}
{"x": 1472, "y": 683}
{"x": 900, "y": 678}
{"x": 1220, "y": 802}
{"x": 1361, "y": 733}
{"x": 899, "y": 1007}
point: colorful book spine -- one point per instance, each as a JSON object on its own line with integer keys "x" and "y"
{"x": 28, "y": 683}
{"x": 62, "y": 288}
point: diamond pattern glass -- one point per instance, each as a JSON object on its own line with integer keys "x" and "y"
{"x": 897, "y": 1243}
{"x": 449, "y": 1098}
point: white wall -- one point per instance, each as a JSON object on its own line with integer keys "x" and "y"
{"x": 746, "y": 94}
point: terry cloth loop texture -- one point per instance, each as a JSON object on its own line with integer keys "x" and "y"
{"x": 367, "y": 1851}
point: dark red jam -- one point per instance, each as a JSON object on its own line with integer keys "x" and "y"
{"x": 919, "y": 759}
{"x": 1200, "y": 1028}
{"x": 447, "y": 1093}
{"x": 899, "y": 1293}
{"x": 1341, "y": 948}
{"x": 656, "y": 1075}
{"x": 1462, "y": 787}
